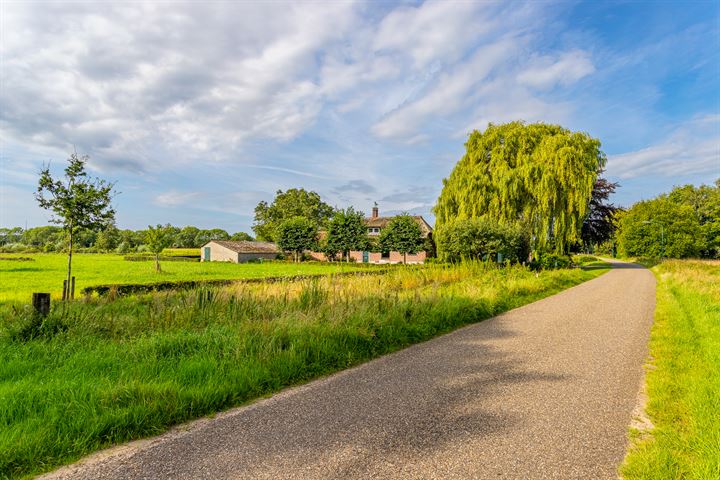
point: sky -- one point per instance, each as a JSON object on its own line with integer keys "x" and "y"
{"x": 199, "y": 110}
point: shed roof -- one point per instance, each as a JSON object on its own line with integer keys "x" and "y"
{"x": 247, "y": 247}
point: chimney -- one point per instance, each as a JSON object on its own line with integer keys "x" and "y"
{"x": 375, "y": 211}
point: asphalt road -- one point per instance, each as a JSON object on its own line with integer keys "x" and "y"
{"x": 543, "y": 391}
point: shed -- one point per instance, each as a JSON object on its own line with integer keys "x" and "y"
{"x": 238, "y": 252}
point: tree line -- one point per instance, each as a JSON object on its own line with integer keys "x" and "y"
{"x": 112, "y": 239}
{"x": 683, "y": 223}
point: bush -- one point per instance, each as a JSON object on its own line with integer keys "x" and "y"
{"x": 481, "y": 239}
{"x": 551, "y": 261}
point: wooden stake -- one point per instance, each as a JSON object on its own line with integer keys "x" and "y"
{"x": 41, "y": 303}
{"x": 65, "y": 291}
{"x": 72, "y": 289}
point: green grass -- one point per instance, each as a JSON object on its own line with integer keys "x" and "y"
{"x": 100, "y": 372}
{"x": 46, "y": 274}
{"x": 683, "y": 382}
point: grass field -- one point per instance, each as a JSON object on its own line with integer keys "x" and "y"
{"x": 47, "y": 271}
{"x": 683, "y": 382}
{"x": 99, "y": 372}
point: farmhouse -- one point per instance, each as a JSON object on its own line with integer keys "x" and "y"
{"x": 375, "y": 224}
{"x": 238, "y": 252}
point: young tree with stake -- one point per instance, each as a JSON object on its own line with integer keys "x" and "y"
{"x": 77, "y": 203}
{"x": 158, "y": 239}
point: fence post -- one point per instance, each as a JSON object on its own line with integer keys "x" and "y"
{"x": 65, "y": 290}
{"x": 72, "y": 289}
{"x": 41, "y": 303}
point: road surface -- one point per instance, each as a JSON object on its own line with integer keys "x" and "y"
{"x": 543, "y": 391}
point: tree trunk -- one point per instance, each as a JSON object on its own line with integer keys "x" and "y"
{"x": 157, "y": 263}
{"x": 69, "y": 270}
{"x": 347, "y": 256}
{"x": 404, "y": 258}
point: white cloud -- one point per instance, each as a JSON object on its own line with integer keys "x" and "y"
{"x": 450, "y": 93}
{"x": 174, "y": 198}
{"x": 693, "y": 148}
{"x": 435, "y": 30}
{"x": 545, "y": 72}
{"x": 131, "y": 84}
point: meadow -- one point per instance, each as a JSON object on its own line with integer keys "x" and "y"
{"x": 46, "y": 272}
{"x": 97, "y": 371}
{"x": 683, "y": 377}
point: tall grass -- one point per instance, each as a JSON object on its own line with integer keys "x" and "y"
{"x": 99, "y": 372}
{"x": 683, "y": 383}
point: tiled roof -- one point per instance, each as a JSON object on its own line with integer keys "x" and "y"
{"x": 248, "y": 247}
{"x": 382, "y": 222}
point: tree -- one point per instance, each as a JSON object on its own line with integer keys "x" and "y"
{"x": 296, "y": 235}
{"x": 537, "y": 175}
{"x": 292, "y": 203}
{"x": 158, "y": 239}
{"x": 690, "y": 221}
{"x": 204, "y": 236}
{"x": 186, "y": 237}
{"x": 347, "y": 231}
{"x": 599, "y": 224}
{"x": 77, "y": 203}
{"x": 402, "y": 234}
{"x": 107, "y": 240}
{"x": 482, "y": 239}
{"x": 241, "y": 236}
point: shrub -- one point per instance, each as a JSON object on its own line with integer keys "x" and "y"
{"x": 481, "y": 239}
{"x": 551, "y": 261}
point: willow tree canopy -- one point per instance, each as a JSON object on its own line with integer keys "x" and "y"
{"x": 538, "y": 175}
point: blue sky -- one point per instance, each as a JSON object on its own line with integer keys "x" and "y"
{"x": 200, "y": 110}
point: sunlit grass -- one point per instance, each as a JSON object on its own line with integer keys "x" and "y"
{"x": 101, "y": 372}
{"x": 683, "y": 383}
{"x": 47, "y": 272}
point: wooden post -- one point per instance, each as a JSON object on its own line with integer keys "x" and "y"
{"x": 72, "y": 289}
{"x": 65, "y": 290}
{"x": 41, "y": 303}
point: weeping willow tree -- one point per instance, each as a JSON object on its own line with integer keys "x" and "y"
{"x": 539, "y": 176}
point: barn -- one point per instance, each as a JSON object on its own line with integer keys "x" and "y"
{"x": 238, "y": 252}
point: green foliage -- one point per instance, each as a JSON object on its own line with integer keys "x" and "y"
{"x": 295, "y": 202}
{"x": 690, "y": 220}
{"x": 482, "y": 239}
{"x": 296, "y": 235}
{"x": 402, "y": 234}
{"x": 240, "y": 237}
{"x": 78, "y": 204}
{"x": 538, "y": 175}
{"x": 346, "y": 231}
{"x": 158, "y": 239}
{"x": 103, "y": 372}
{"x": 551, "y": 261}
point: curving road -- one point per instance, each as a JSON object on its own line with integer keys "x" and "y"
{"x": 543, "y": 391}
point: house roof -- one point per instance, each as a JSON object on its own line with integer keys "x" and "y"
{"x": 247, "y": 247}
{"x": 382, "y": 222}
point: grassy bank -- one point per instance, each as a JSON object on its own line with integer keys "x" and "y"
{"x": 683, "y": 382}
{"x": 103, "y": 372}
{"x": 46, "y": 272}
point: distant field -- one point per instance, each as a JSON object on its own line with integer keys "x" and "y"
{"x": 47, "y": 271}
